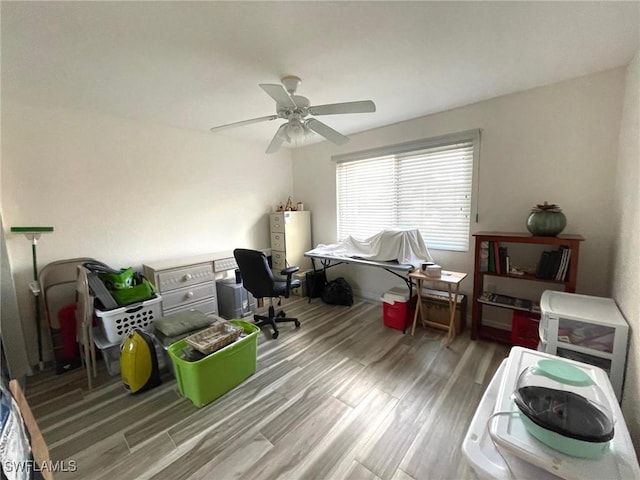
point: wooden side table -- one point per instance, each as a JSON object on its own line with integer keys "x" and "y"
{"x": 452, "y": 281}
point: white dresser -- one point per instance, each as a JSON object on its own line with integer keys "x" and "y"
{"x": 189, "y": 283}
{"x": 290, "y": 238}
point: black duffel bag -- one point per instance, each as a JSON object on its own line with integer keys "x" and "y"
{"x": 338, "y": 292}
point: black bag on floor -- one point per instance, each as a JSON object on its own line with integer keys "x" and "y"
{"x": 338, "y": 292}
{"x": 315, "y": 283}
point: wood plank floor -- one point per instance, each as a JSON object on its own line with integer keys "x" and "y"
{"x": 342, "y": 397}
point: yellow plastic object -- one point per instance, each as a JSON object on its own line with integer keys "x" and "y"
{"x": 138, "y": 362}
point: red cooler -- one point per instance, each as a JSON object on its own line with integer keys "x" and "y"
{"x": 524, "y": 329}
{"x": 397, "y": 311}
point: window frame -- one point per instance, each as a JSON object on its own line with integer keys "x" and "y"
{"x": 406, "y": 148}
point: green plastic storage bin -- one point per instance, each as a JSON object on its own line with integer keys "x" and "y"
{"x": 213, "y": 376}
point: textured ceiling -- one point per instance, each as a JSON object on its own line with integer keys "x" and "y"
{"x": 198, "y": 64}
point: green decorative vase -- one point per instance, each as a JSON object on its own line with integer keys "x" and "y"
{"x": 546, "y": 220}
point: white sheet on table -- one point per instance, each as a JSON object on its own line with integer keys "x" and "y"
{"x": 403, "y": 246}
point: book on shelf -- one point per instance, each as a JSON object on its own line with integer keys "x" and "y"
{"x": 484, "y": 256}
{"x": 542, "y": 264}
{"x": 564, "y": 264}
{"x": 563, "y": 259}
{"x": 556, "y": 256}
{"x": 500, "y": 300}
{"x": 567, "y": 264}
{"x": 492, "y": 260}
{"x": 502, "y": 253}
{"x": 553, "y": 264}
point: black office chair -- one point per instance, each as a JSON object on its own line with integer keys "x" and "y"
{"x": 258, "y": 278}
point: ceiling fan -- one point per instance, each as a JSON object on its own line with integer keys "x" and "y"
{"x": 295, "y": 109}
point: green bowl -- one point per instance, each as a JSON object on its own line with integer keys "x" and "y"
{"x": 566, "y": 445}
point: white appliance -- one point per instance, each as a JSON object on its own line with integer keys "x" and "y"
{"x": 586, "y": 329}
{"x": 500, "y": 447}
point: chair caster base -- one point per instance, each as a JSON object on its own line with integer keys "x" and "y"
{"x": 274, "y": 335}
{"x": 297, "y": 324}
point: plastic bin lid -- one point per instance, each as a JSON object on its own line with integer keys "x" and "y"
{"x": 396, "y": 294}
{"x": 585, "y": 307}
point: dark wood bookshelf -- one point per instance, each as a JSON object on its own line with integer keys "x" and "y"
{"x": 496, "y": 334}
{"x": 526, "y": 276}
{"x": 572, "y": 242}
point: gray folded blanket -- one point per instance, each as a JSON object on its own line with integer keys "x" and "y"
{"x": 182, "y": 322}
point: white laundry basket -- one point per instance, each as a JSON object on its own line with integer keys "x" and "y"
{"x": 115, "y": 324}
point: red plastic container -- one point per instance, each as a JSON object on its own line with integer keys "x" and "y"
{"x": 67, "y": 321}
{"x": 524, "y": 329}
{"x": 397, "y": 310}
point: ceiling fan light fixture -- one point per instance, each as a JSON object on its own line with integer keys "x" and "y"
{"x": 297, "y": 131}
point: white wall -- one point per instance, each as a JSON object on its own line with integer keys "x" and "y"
{"x": 626, "y": 260}
{"x": 125, "y": 192}
{"x": 13, "y": 341}
{"x": 557, "y": 143}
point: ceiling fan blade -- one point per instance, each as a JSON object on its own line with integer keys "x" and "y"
{"x": 364, "y": 106}
{"x": 279, "y": 94}
{"x": 277, "y": 140}
{"x": 326, "y": 131}
{"x": 244, "y": 122}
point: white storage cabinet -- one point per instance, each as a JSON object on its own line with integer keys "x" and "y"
{"x": 290, "y": 239}
{"x": 586, "y": 329}
{"x": 184, "y": 285}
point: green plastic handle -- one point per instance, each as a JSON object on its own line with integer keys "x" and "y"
{"x": 562, "y": 372}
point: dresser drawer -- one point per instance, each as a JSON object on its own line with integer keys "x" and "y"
{"x": 208, "y": 307}
{"x": 277, "y": 222}
{"x": 278, "y": 261}
{"x": 187, "y": 295}
{"x": 224, "y": 264}
{"x": 183, "y": 277}
{"x": 277, "y": 241}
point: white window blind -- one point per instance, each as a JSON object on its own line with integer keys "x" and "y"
{"x": 428, "y": 188}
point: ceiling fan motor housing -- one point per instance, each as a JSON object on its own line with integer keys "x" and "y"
{"x": 301, "y": 102}
{"x": 291, "y": 83}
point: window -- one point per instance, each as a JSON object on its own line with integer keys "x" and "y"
{"x": 425, "y": 184}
